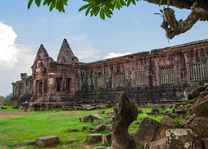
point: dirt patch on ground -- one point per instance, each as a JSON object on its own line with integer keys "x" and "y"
{"x": 11, "y": 114}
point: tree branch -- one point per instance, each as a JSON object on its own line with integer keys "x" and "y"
{"x": 176, "y": 3}
{"x": 174, "y": 27}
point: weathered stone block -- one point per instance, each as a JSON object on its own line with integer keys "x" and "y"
{"x": 100, "y": 128}
{"x": 47, "y": 141}
{"x": 146, "y": 131}
{"x": 91, "y": 118}
{"x": 159, "y": 144}
{"x": 93, "y": 138}
{"x": 200, "y": 126}
{"x": 201, "y": 109}
{"x": 161, "y": 132}
{"x": 72, "y": 130}
{"x": 195, "y": 92}
{"x": 182, "y": 138}
{"x": 168, "y": 122}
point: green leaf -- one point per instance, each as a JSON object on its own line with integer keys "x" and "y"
{"x": 102, "y": 14}
{"x": 59, "y": 6}
{"x": 108, "y": 12}
{"x": 96, "y": 11}
{"x": 38, "y": 2}
{"x": 52, "y": 6}
{"x": 88, "y": 10}
{"x": 84, "y": 7}
{"x": 128, "y": 3}
{"x": 29, "y": 4}
{"x": 47, "y": 2}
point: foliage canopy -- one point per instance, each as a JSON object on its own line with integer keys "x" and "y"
{"x": 172, "y": 26}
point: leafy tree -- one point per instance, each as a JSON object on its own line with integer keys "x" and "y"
{"x": 8, "y": 97}
{"x": 172, "y": 26}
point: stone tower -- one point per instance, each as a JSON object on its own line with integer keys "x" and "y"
{"x": 66, "y": 56}
{"x": 42, "y": 52}
{"x": 42, "y": 60}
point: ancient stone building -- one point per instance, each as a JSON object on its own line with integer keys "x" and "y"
{"x": 156, "y": 75}
{"x": 23, "y": 89}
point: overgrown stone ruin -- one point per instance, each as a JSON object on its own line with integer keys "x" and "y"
{"x": 189, "y": 132}
{"x": 158, "y": 75}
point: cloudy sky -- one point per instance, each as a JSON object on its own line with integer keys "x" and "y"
{"x": 130, "y": 30}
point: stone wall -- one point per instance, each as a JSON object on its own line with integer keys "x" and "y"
{"x": 156, "y": 75}
{"x": 161, "y": 74}
{"x": 23, "y": 90}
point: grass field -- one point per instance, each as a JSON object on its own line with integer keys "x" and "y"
{"x": 17, "y": 128}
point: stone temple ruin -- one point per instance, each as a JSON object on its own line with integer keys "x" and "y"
{"x": 157, "y": 75}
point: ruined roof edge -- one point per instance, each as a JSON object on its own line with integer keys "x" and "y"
{"x": 153, "y": 50}
{"x": 181, "y": 45}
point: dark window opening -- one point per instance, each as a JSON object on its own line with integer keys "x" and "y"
{"x": 40, "y": 88}
{"x": 68, "y": 84}
{"x": 58, "y": 84}
{"x": 118, "y": 69}
{"x": 45, "y": 85}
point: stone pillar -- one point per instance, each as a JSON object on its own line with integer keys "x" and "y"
{"x": 35, "y": 89}
{"x": 51, "y": 86}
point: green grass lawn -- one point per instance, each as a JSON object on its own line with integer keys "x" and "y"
{"x": 9, "y": 109}
{"x": 16, "y": 130}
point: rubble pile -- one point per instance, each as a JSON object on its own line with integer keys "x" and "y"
{"x": 185, "y": 128}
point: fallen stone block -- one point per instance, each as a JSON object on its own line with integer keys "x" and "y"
{"x": 72, "y": 130}
{"x": 160, "y": 132}
{"x": 91, "y": 118}
{"x": 200, "y": 126}
{"x": 182, "y": 138}
{"x": 101, "y": 128}
{"x": 196, "y": 92}
{"x": 159, "y": 144}
{"x": 47, "y": 141}
{"x": 168, "y": 121}
{"x": 201, "y": 109}
{"x": 146, "y": 131}
{"x": 97, "y": 116}
{"x": 93, "y": 138}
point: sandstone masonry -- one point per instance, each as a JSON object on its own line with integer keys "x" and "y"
{"x": 157, "y": 75}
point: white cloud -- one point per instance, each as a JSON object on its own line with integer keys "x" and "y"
{"x": 112, "y": 54}
{"x": 8, "y": 48}
{"x": 14, "y": 59}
